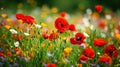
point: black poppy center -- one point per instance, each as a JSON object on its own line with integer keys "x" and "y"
{"x": 78, "y": 38}
{"x": 61, "y": 25}
{"x": 110, "y": 52}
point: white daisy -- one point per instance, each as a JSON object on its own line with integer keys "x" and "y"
{"x": 118, "y": 47}
{"x": 98, "y": 53}
{"x": 86, "y": 34}
{"x": 38, "y": 26}
{"x": 16, "y": 44}
{"x": 13, "y": 31}
{"x": 108, "y": 17}
{"x": 72, "y": 65}
{"x": 89, "y": 11}
{"x": 26, "y": 34}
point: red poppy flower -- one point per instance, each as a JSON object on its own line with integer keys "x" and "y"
{"x": 73, "y": 40}
{"x": 16, "y": 49}
{"x": 83, "y": 59}
{"x": 19, "y": 37}
{"x": 62, "y": 25}
{"x": 53, "y": 36}
{"x": 29, "y": 19}
{"x": 111, "y": 51}
{"x": 105, "y": 59}
{"x": 45, "y": 36}
{"x": 99, "y": 42}
{"x": 1, "y": 54}
{"x": 89, "y": 52}
{"x": 62, "y": 14}
{"x": 102, "y": 24}
{"x": 9, "y": 53}
{"x": 72, "y": 27}
{"x": 98, "y": 8}
{"x": 79, "y": 38}
{"x": 51, "y": 65}
{"x": 19, "y": 16}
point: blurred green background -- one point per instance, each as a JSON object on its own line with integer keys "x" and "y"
{"x": 62, "y": 5}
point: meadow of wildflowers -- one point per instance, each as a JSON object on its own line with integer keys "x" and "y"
{"x": 47, "y": 38}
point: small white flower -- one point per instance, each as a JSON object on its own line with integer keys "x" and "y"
{"x": 98, "y": 53}
{"x": 16, "y": 44}
{"x": 86, "y": 34}
{"x": 38, "y": 26}
{"x": 119, "y": 48}
{"x": 49, "y": 54}
{"x": 26, "y": 34}
{"x": 13, "y": 31}
{"x": 108, "y": 17}
{"x": 91, "y": 27}
{"x": 89, "y": 11}
{"x": 72, "y": 65}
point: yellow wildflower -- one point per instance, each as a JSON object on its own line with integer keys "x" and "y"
{"x": 87, "y": 30}
{"x": 95, "y": 15}
{"x": 20, "y": 21}
{"x": 79, "y": 65}
{"x": 43, "y": 14}
{"x": 8, "y": 20}
{"x": 54, "y": 10}
{"x": 117, "y": 36}
{"x": 4, "y": 15}
{"x": 7, "y": 26}
{"x": 68, "y": 50}
{"x": 43, "y": 24}
{"x": 90, "y": 46}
